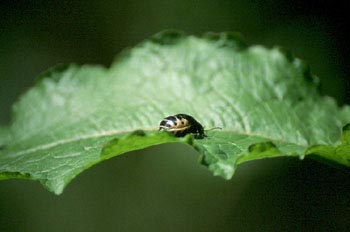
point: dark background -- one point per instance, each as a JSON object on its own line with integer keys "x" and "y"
{"x": 163, "y": 188}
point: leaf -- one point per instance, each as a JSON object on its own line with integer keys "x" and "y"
{"x": 337, "y": 155}
{"x": 264, "y": 99}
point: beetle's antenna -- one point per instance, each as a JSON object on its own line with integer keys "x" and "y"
{"x": 214, "y": 128}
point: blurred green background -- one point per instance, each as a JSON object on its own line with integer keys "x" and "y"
{"x": 163, "y": 188}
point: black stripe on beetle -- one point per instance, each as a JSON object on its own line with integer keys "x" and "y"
{"x": 181, "y": 125}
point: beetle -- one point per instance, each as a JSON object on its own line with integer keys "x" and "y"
{"x": 181, "y": 125}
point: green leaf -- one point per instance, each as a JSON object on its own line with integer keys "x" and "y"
{"x": 264, "y": 99}
{"x": 337, "y": 155}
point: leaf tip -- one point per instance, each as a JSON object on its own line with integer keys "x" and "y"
{"x": 222, "y": 169}
{"x": 55, "y": 186}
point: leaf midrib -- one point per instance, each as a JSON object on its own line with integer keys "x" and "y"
{"x": 74, "y": 139}
{"x": 120, "y": 132}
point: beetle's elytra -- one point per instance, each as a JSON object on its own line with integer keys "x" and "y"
{"x": 181, "y": 125}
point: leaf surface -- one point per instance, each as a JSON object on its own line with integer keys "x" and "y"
{"x": 265, "y": 100}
